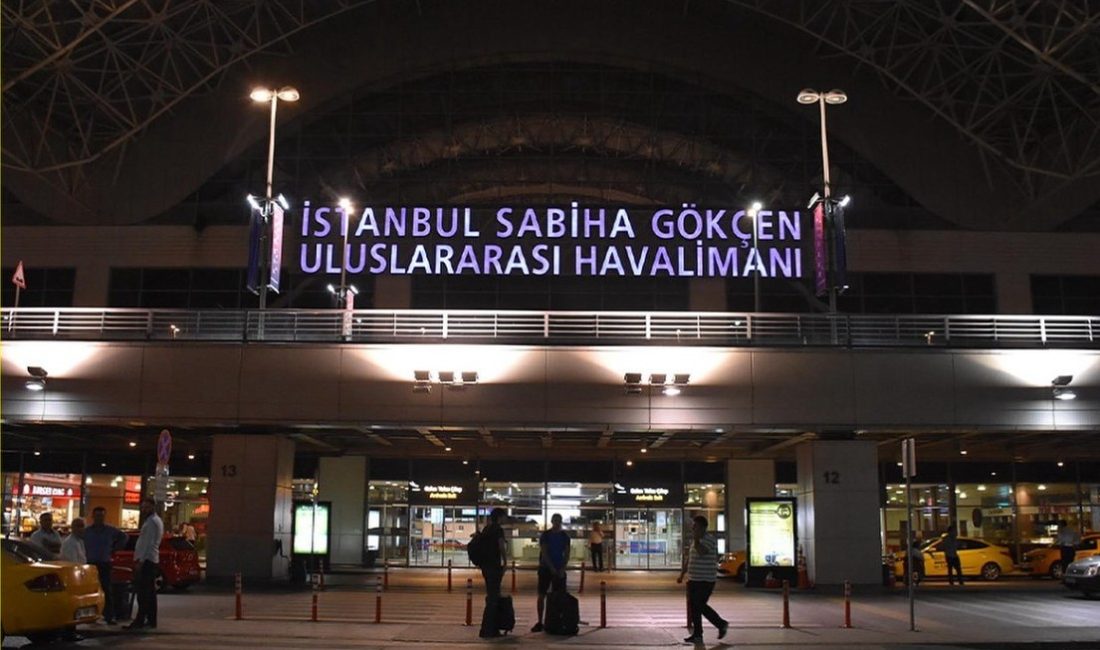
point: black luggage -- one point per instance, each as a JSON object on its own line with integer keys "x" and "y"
{"x": 563, "y": 615}
{"x": 506, "y": 614}
{"x": 122, "y": 601}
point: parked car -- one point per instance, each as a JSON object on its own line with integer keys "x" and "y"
{"x": 978, "y": 559}
{"x": 1084, "y": 575}
{"x": 733, "y": 564}
{"x": 179, "y": 563}
{"x": 1047, "y": 561}
{"x": 44, "y": 597}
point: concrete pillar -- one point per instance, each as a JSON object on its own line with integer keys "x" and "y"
{"x": 343, "y": 481}
{"x": 838, "y": 511}
{"x": 251, "y": 498}
{"x": 745, "y": 478}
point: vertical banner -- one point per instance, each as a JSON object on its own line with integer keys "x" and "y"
{"x": 255, "y": 230}
{"x": 840, "y": 253}
{"x": 349, "y": 307}
{"x": 276, "y": 245}
{"x": 821, "y": 281}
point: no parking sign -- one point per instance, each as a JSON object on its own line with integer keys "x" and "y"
{"x": 164, "y": 454}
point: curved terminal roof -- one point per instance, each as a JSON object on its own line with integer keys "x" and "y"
{"x": 984, "y": 113}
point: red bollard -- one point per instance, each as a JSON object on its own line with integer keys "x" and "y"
{"x": 786, "y": 603}
{"x": 448, "y": 576}
{"x": 513, "y": 577}
{"x": 313, "y": 611}
{"x": 603, "y": 604}
{"x": 847, "y": 604}
{"x": 580, "y": 590}
{"x": 378, "y": 602}
{"x": 469, "y": 602}
{"x": 237, "y": 581}
{"x": 322, "y": 574}
{"x": 386, "y": 575}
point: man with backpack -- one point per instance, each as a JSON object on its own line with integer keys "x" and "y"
{"x": 553, "y": 555}
{"x": 488, "y": 551}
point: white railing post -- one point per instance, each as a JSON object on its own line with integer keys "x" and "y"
{"x": 648, "y": 326}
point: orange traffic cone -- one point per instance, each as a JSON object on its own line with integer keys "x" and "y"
{"x": 803, "y": 574}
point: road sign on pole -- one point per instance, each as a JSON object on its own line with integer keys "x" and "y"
{"x": 164, "y": 454}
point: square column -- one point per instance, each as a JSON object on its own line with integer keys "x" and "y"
{"x": 251, "y": 495}
{"x": 838, "y": 511}
{"x": 343, "y": 482}
{"x": 745, "y": 478}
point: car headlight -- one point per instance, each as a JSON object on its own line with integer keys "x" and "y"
{"x": 1092, "y": 570}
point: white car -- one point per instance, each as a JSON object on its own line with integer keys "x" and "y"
{"x": 1084, "y": 575}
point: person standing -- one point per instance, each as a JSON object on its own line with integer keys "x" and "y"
{"x": 46, "y": 538}
{"x": 72, "y": 549}
{"x": 147, "y": 565}
{"x": 553, "y": 555}
{"x": 100, "y": 542}
{"x": 701, "y": 568}
{"x": 1068, "y": 539}
{"x": 595, "y": 544}
{"x": 492, "y": 571}
{"x": 187, "y": 531}
{"x": 950, "y": 546}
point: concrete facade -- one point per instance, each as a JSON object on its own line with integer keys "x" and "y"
{"x": 342, "y": 481}
{"x": 745, "y": 478}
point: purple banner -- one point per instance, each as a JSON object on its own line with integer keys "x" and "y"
{"x": 276, "y": 246}
{"x": 821, "y": 282}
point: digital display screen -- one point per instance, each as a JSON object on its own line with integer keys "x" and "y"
{"x": 311, "y": 529}
{"x": 771, "y": 533}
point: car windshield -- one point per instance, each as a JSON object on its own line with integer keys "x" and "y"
{"x": 22, "y": 552}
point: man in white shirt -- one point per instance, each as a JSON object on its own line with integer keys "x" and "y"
{"x": 147, "y": 566}
{"x": 46, "y": 538}
{"x": 72, "y": 549}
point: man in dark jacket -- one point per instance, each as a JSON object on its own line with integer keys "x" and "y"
{"x": 493, "y": 572}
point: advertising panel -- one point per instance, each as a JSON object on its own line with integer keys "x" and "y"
{"x": 311, "y": 528}
{"x": 772, "y": 540}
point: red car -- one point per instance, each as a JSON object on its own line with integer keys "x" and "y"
{"x": 179, "y": 563}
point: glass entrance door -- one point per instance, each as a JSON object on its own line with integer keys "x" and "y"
{"x": 648, "y": 538}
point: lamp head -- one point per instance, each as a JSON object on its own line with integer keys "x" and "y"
{"x": 290, "y": 94}
{"x": 261, "y": 95}
{"x": 1060, "y": 380}
{"x": 836, "y": 96}
{"x": 37, "y": 371}
{"x": 808, "y": 96}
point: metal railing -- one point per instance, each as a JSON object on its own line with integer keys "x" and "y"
{"x": 551, "y": 328}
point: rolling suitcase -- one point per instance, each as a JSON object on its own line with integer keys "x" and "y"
{"x": 506, "y": 614}
{"x": 562, "y": 614}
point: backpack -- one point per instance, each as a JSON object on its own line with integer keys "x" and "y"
{"x": 480, "y": 550}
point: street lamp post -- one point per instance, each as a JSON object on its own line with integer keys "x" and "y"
{"x": 835, "y": 97}
{"x": 754, "y": 210}
{"x": 343, "y": 291}
{"x": 271, "y": 96}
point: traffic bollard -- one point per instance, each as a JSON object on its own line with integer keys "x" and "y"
{"x": 513, "y": 577}
{"x": 378, "y": 602}
{"x": 448, "y": 576}
{"x": 847, "y": 604}
{"x": 603, "y": 604}
{"x": 469, "y": 602}
{"x": 313, "y": 611}
{"x": 786, "y": 603}
{"x": 580, "y": 590}
{"x": 237, "y": 582}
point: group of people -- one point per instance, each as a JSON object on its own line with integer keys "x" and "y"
{"x": 96, "y": 543}
{"x": 700, "y": 565}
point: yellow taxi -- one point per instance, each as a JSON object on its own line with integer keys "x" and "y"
{"x": 732, "y": 565}
{"x": 1047, "y": 561}
{"x": 978, "y": 559}
{"x": 43, "y": 597}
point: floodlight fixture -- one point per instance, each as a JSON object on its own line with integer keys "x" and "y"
{"x": 469, "y": 377}
{"x": 422, "y": 375}
{"x": 1060, "y": 380}
{"x": 37, "y": 382}
{"x": 657, "y": 379}
{"x": 345, "y": 204}
{"x": 283, "y": 202}
{"x": 813, "y": 200}
{"x": 446, "y": 376}
{"x": 331, "y": 289}
{"x": 671, "y": 390}
{"x": 832, "y": 97}
{"x": 681, "y": 378}
{"x": 755, "y": 208}
{"x": 1064, "y": 394}
{"x": 254, "y": 202}
{"x": 845, "y": 201}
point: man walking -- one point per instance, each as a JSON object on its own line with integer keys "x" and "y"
{"x": 701, "y": 567}
{"x": 147, "y": 566}
{"x": 492, "y": 570}
{"x": 1068, "y": 539}
{"x": 553, "y": 554}
{"x": 46, "y": 538}
{"x": 950, "y": 546}
{"x": 100, "y": 541}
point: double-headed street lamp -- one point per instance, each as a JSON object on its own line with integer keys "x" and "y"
{"x": 834, "y": 97}
{"x": 345, "y": 295}
{"x": 266, "y": 209}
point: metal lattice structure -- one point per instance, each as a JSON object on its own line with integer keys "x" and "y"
{"x": 1020, "y": 79}
{"x": 83, "y": 79}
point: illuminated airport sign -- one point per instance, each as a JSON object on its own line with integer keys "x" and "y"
{"x": 576, "y": 240}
